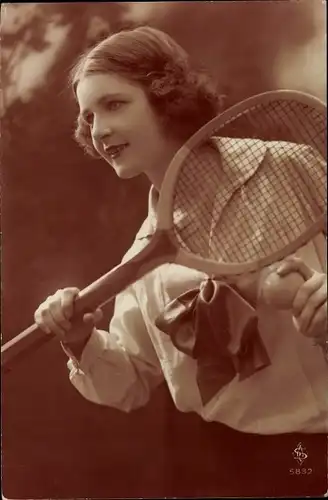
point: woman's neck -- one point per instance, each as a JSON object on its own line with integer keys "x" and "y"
{"x": 157, "y": 173}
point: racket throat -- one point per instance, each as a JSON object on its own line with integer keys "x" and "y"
{"x": 160, "y": 250}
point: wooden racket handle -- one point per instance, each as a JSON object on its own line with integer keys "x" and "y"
{"x": 32, "y": 338}
{"x": 97, "y": 294}
{"x": 20, "y": 346}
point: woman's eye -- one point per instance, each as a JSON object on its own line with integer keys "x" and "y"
{"x": 114, "y": 105}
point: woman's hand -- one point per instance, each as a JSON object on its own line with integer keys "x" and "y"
{"x": 54, "y": 315}
{"x": 249, "y": 285}
{"x": 309, "y": 306}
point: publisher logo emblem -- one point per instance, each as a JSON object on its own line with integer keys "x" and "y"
{"x": 300, "y": 454}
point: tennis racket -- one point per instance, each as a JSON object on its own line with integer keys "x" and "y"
{"x": 208, "y": 220}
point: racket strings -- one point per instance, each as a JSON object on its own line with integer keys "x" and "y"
{"x": 260, "y": 228}
{"x": 254, "y": 185}
{"x": 281, "y": 120}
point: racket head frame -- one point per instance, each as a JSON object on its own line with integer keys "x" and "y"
{"x": 165, "y": 202}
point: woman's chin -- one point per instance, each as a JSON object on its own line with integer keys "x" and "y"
{"x": 124, "y": 172}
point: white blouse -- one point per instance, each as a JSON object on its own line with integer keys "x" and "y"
{"x": 121, "y": 367}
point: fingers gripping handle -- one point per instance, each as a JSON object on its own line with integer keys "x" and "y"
{"x": 280, "y": 291}
{"x": 159, "y": 251}
{"x": 280, "y": 286}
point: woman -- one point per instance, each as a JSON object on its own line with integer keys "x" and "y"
{"x": 140, "y": 99}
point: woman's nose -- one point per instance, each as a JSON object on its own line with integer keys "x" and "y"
{"x": 101, "y": 130}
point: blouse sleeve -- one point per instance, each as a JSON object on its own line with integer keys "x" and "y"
{"x": 118, "y": 368}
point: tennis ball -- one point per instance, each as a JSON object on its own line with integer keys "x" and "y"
{"x": 279, "y": 291}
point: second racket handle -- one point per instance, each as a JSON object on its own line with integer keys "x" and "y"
{"x": 280, "y": 292}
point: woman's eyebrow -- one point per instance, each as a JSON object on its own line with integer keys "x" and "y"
{"x": 108, "y": 97}
{"x": 101, "y": 101}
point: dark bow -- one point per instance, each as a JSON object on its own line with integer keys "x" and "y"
{"x": 199, "y": 324}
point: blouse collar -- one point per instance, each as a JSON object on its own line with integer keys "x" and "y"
{"x": 234, "y": 155}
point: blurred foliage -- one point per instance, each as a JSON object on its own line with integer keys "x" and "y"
{"x": 239, "y": 42}
{"x": 59, "y": 214}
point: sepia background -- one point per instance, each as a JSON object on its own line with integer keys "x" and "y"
{"x": 67, "y": 219}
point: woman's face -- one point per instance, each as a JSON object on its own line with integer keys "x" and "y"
{"x": 125, "y": 130}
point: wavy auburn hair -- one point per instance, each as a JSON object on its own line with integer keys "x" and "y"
{"x": 182, "y": 96}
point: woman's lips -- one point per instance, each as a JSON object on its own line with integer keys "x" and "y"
{"x": 116, "y": 150}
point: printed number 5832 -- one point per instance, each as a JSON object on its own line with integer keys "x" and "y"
{"x": 300, "y": 472}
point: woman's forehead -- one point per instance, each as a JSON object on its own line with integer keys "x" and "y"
{"x": 91, "y": 88}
